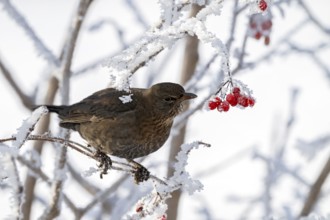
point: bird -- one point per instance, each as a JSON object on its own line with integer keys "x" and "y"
{"x": 126, "y": 124}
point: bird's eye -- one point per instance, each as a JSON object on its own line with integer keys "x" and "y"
{"x": 170, "y": 99}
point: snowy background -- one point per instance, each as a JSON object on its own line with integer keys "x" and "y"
{"x": 263, "y": 160}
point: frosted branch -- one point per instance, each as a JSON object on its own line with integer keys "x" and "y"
{"x": 28, "y": 126}
{"x": 26, "y": 100}
{"x": 153, "y": 205}
{"x": 41, "y": 48}
{"x": 122, "y": 66}
{"x": 313, "y": 18}
{"x": 10, "y": 176}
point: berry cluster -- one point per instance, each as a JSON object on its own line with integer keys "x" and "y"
{"x": 260, "y": 25}
{"x": 262, "y": 5}
{"x": 235, "y": 98}
{"x": 139, "y": 209}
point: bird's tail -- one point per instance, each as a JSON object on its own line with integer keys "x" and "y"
{"x": 55, "y": 108}
{"x": 52, "y": 108}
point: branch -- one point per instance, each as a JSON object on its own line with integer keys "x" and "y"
{"x": 43, "y": 125}
{"x": 46, "y": 179}
{"x": 66, "y": 61}
{"x": 125, "y": 167}
{"x": 153, "y": 204}
{"x": 315, "y": 190}
{"x": 313, "y": 18}
{"x": 26, "y": 100}
{"x": 102, "y": 196}
{"x": 39, "y": 45}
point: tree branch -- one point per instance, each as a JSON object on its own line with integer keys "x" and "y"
{"x": 26, "y": 100}
{"x": 315, "y": 190}
{"x": 188, "y": 69}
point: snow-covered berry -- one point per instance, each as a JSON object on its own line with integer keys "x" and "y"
{"x": 257, "y": 35}
{"x": 139, "y": 208}
{"x": 236, "y": 91}
{"x": 267, "y": 40}
{"x": 243, "y": 101}
{"x": 163, "y": 217}
{"x": 266, "y": 25}
{"x": 224, "y": 106}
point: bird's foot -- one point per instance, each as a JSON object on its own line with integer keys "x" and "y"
{"x": 105, "y": 162}
{"x": 140, "y": 173}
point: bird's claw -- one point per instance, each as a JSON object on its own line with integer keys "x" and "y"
{"x": 105, "y": 162}
{"x": 140, "y": 173}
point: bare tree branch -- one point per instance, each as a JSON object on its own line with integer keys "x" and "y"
{"x": 42, "y": 127}
{"x": 315, "y": 190}
{"x": 38, "y": 43}
{"x": 26, "y": 100}
{"x": 188, "y": 69}
{"x": 53, "y": 211}
{"x": 313, "y": 18}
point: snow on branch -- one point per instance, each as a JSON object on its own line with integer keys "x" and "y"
{"x": 153, "y": 205}
{"x": 9, "y": 172}
{"x": 28, "y": 126}
{"x": 123, "y": 65}
{"x": 10, "y": 177}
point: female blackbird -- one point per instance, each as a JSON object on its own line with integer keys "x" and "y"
{"x": 125, "y": 124}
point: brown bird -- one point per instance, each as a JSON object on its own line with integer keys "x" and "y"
{"x": 126, "y": 124}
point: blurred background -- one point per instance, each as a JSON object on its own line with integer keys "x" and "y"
{"x": 271, "y": 160}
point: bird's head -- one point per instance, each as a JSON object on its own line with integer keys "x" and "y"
{"x": 168, "y": 97}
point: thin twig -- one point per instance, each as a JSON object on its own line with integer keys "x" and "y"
{"x": 313, "y": 18}
{"x": 37, "y": 171}
{"x": 44, "y": 51}
{"x": 26, "y": 100}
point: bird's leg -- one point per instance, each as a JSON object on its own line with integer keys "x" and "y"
{"x": 141, "y": 173}
{"x": 105, "y": 162}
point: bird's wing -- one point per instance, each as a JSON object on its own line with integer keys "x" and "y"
{"x": 104, "y": 104}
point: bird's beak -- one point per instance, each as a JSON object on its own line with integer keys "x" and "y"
{"x": 187, "y": 95}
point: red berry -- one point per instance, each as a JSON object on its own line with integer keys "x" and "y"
{"x": 253, "y": 25}
{"x": 266, "y": 25}
{"x": 236, "y": 91}
{"x": 224, "y": 106}
{"x": 231, "y": 99}
{"x": 217, "y": 99}
{"x": 257, "y": 35}
{"x": 263, "y": 5}
{"x": 243, "y": 101}
{"x": 251, "y": 101}
{"x": 163, "y": 217}
{"x": 139, "y": 208}
{"x": 267, "y": 40}
{"x": 214, "y": 103}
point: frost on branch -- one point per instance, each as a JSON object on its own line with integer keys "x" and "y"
{"x": 122, "y": 66}
{"x": 9, "y": 172}
{"x": 153, "y": 205}
{"x": 28, "y": 126}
